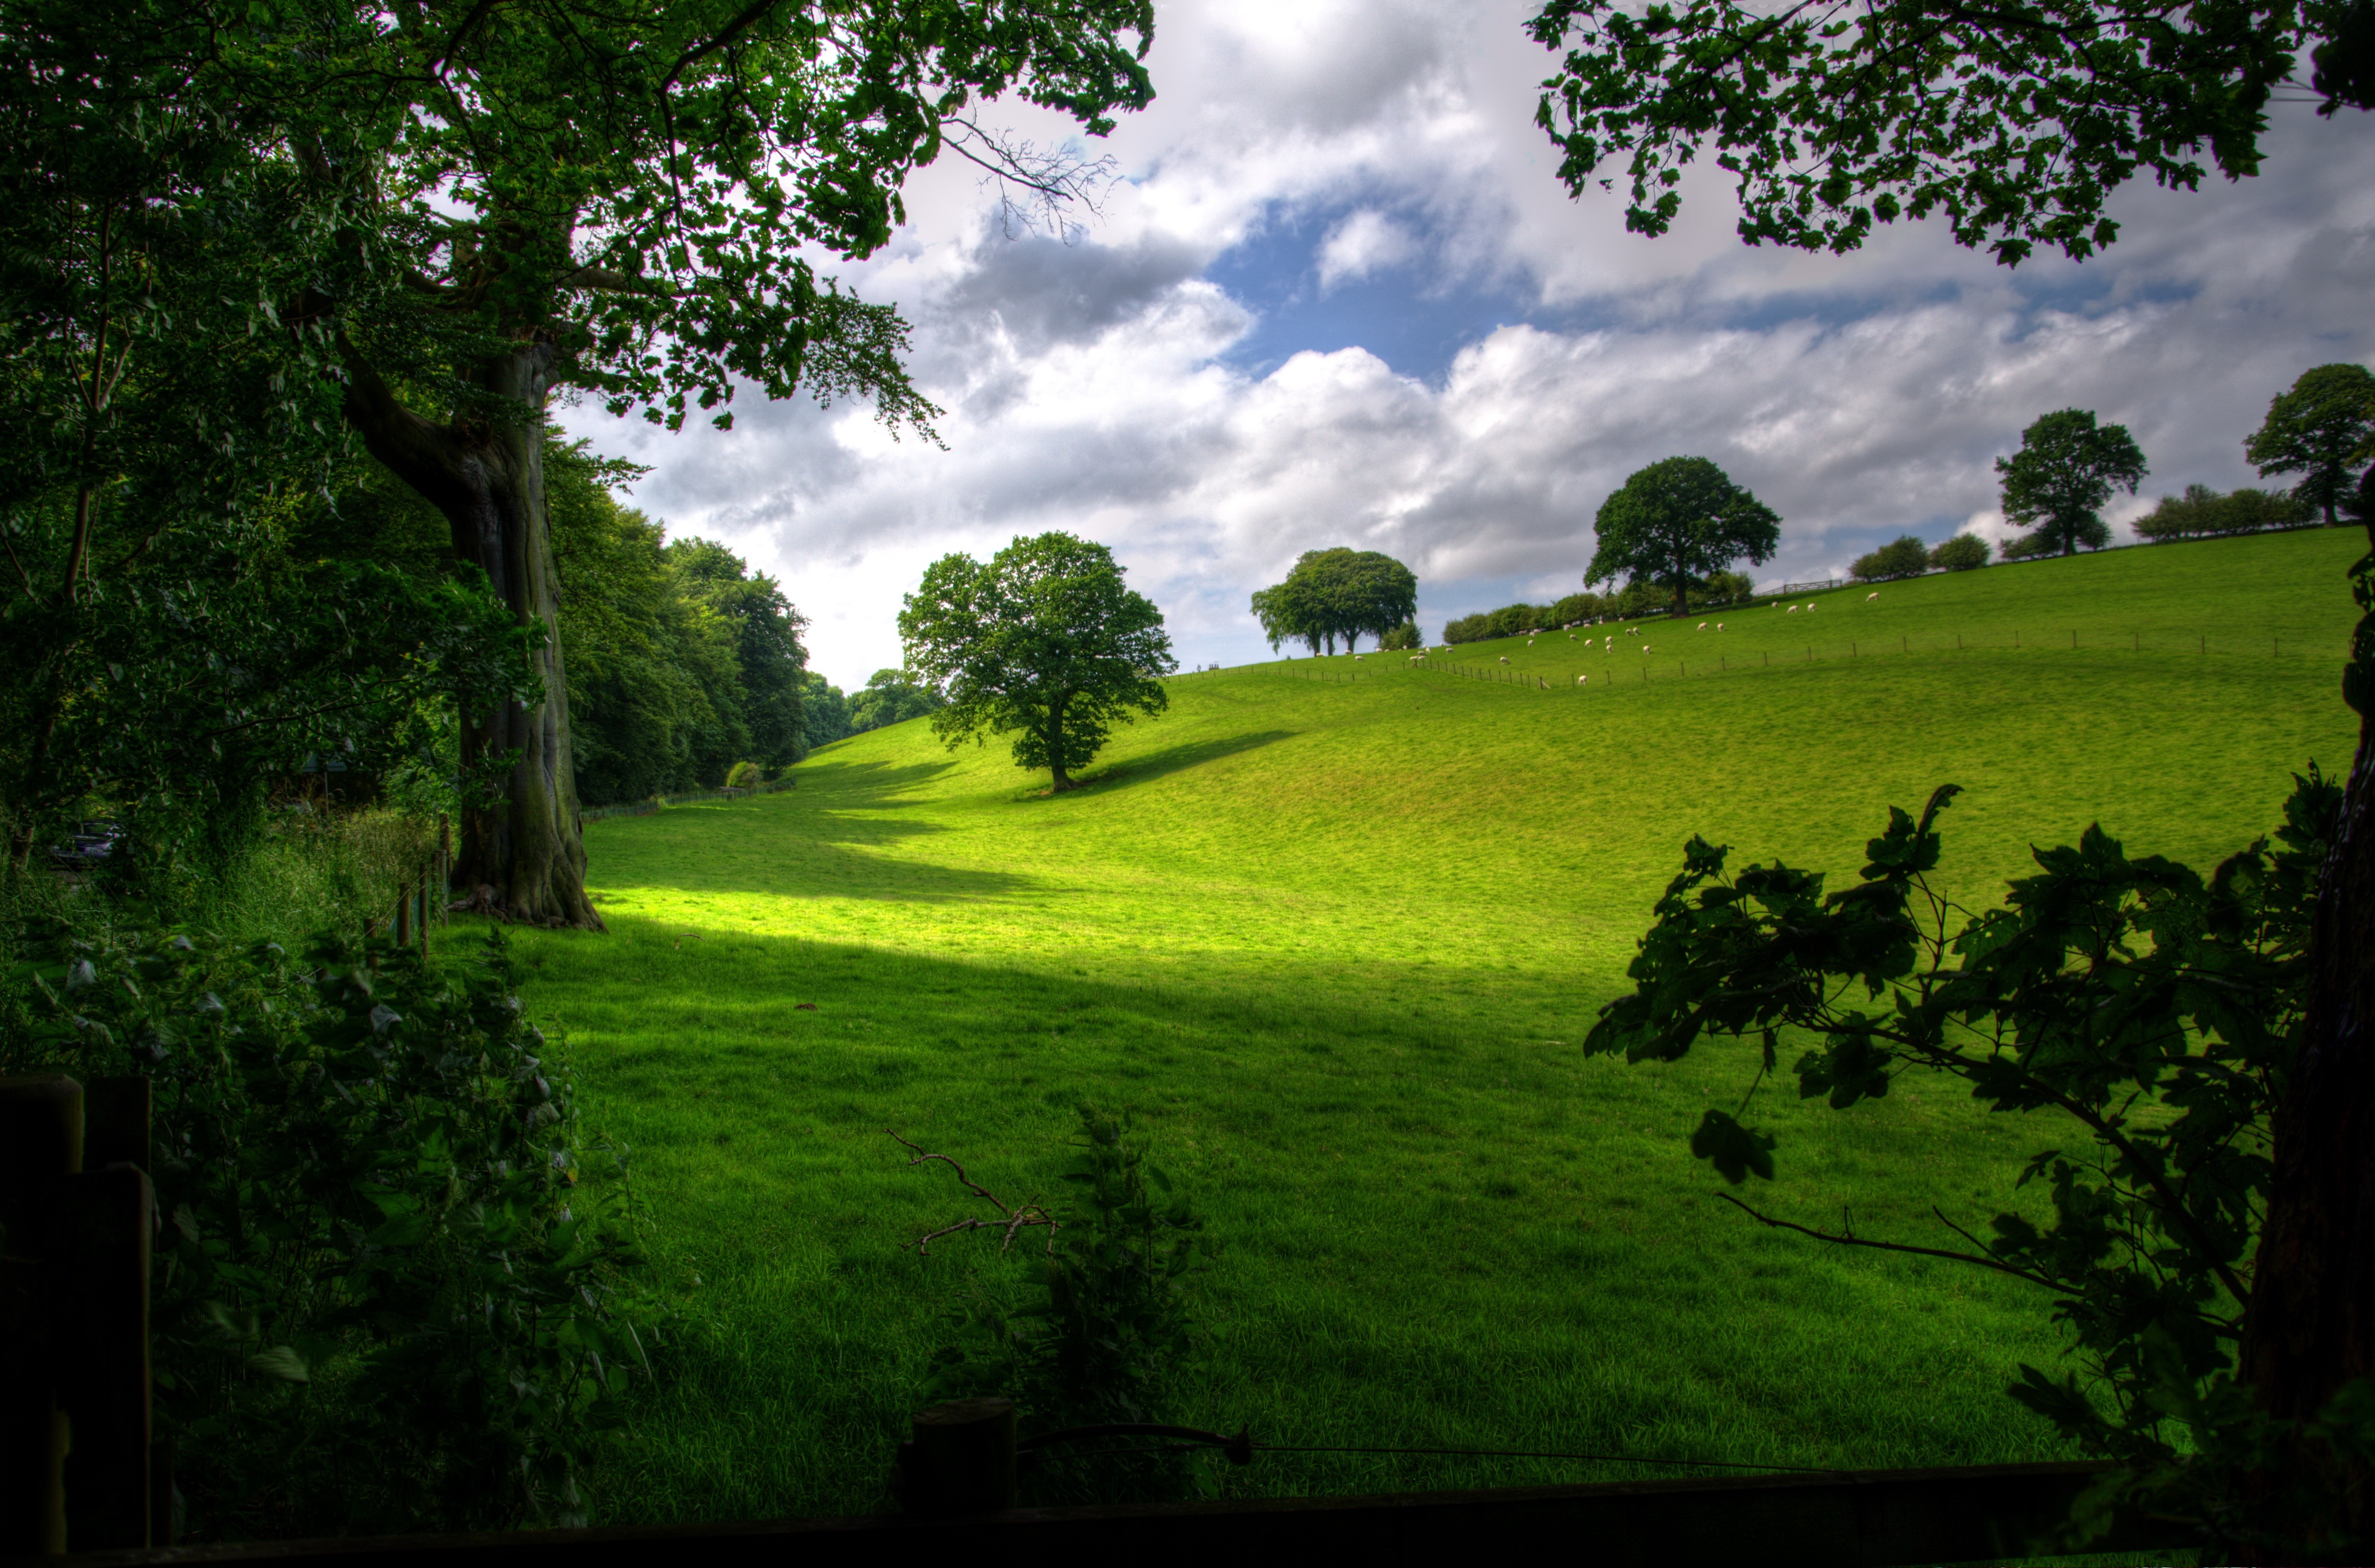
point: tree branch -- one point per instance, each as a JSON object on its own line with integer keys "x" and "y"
{"x": 1013, "y": 1223}
{"x": 1983, "y": 1261}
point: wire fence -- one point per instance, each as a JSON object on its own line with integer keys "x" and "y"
{"x": 1511, "y": 672}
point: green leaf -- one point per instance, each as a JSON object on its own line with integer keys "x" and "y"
{"x": 280, "y": 1361}
{"x": 1734, "y": 1151}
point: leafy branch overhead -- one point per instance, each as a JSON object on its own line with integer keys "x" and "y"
{"x": 2013, "y": 121}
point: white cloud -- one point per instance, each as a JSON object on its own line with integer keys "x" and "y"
{"x": 1092, "y": 387}
{"x": 1366, "y": 242}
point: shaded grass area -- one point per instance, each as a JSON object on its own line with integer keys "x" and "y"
{"x": 1340, "y": 944}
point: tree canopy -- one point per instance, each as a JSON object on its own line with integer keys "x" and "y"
{"x": 2013, "y": 121}
{"x": 1676, "y": 523}
{"x": 2066, "y": 468}
{"x": 889, "y": 696}
{"x": 478, "y": 203}
{"x": 1339, "y": 592}
{"x": 2322, "y": 429}
{"x": 1044, "y": 641}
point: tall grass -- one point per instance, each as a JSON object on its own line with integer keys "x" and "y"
{"x": 310, "y": 870}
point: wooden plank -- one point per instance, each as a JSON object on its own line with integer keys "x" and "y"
{"x": 1856, "y": 1519}
{"x": 41, "y": 1143}
{"x": 103, "y": 1375}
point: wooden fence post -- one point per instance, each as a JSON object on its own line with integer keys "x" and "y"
{"x": 111, "y": 1215}
{"x": 960, "y": 1459}
{"x": 40, "y": 1142}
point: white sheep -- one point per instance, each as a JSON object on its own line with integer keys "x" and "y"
{"x": 1505, "y": 658}
{"x": 1719, "y": 626}
{"x": 1529, "y": 641}
{"x": 1358, "y": 657}
{"x": 1810, "y": 607}
{"x": 1793, "y": 610}
{"x": 1570, "y": 636}
{"x": 1583, "y": 680}
{"x": 1873, "y": 595}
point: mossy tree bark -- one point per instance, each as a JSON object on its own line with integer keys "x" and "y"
{"x": 487, "y": 478}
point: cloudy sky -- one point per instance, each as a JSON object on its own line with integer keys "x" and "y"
{"x": 1337, "y": 296}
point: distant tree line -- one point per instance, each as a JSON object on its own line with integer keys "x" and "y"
{"x": 1639, "y": 599}
{"x": 682, "y": 662}
{"x": 1908, "y": 556}
{"x": 1340, "y": 594}
{"x": 889, "y": 696}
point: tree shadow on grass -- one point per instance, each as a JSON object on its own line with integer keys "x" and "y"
{"x": 1170, "y": 760}
{"x": 812, "y": 842}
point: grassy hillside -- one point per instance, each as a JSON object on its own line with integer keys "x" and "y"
{"x": 1336, "y": 930}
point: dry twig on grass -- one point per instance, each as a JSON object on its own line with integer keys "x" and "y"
{"x": 1012, "y": 1221}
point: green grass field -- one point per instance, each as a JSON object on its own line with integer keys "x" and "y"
{"x": 1338, "y": 941}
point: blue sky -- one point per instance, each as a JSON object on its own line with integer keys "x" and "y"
{"x": 1336, "y": 297}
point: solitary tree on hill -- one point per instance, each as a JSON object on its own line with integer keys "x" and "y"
{"x": 1338, "y": 593}
{"x": 623, "y": 200}
{"x": 2066, "y": 468}
{"x": 2321, "y": 429}
{"x": 1678, "y": 522}
{"x": 1044, "y": 640}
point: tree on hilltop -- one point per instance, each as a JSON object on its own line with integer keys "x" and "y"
{"x": 1338, "y": 593}
{"x": 1903, "y": 557}
{"x": 2066, "y": 468}
{"x": 1045, "y": 639}
{"x": 2321, "y": 429}
{"x": 1677, "y": 523}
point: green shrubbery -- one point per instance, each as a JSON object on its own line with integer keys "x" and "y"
{"x": 395, "y": 1282}
{"x": 1639, "y": 599}
{"x": 1105, "y": 1339}
{"x": 1903, "y": 557}
{"x": 2203, "y": 512}
{"x": 1964, "y": 552}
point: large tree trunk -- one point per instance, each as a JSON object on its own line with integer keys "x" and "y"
{"x": 2312, "y": 1324}
{"x": 488, "y": 480}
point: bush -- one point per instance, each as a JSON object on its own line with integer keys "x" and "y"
{"x": 1903, "y": 557}
{"x": 744, "y": 775}
{"x": 1467, "y": 628}
{"x": 1404, "y": 638}
{"x": 2202, "y": 511}
{"x": 1511, "y": 621}
{"x": 1964, "y": 552}
{"x": 1106, "y": 1340}
{"x": 394, "y": 1279}
{"x": 2030, "y": 547}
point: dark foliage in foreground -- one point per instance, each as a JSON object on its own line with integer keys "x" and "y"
{"x": 2151, "y": 1014}
{"x": 396, "y": 1284}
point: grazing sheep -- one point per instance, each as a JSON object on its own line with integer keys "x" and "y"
{"x": 1529, "y": 641}
{"x": 1570, "y": 636}
{"x": 1793, "y": 610}
{"x": 1505, "y": 658}
{"x": 1719, "y": 626}
{"x": 1810, "y": 607}
{"x": 1873, "y": 595}
{"x": 1702, "y": 626}
{"x": 1583, "y": 680}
